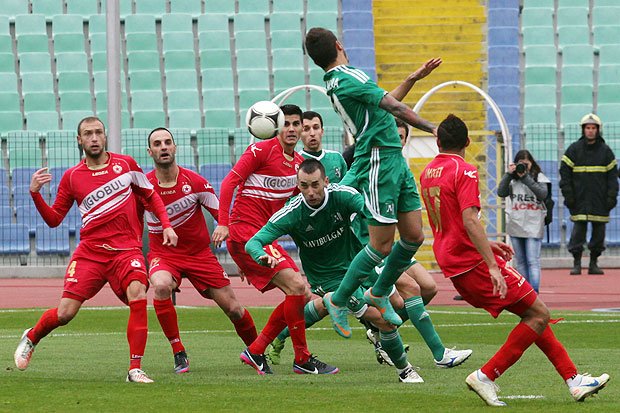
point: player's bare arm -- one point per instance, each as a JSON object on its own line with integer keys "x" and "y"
{"x": 170, "y": 237}
{"x": 478, "y": 237}
{"x": 402, "y": 111}
{"x": 220, "y": 233}
{"x": 403, "y": 89}
{"x": 40, "y": 178}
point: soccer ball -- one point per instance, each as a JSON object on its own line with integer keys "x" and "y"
{"x": 264, "y": 119}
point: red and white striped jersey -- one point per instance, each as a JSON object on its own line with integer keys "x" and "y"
{"x": 268, "y": 178}
{"x": 183, "y": 202}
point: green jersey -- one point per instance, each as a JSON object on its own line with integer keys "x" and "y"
{"x": 335, "y": 166}
{"x": 326, "y": 242}
{"x": 355, "y": 97}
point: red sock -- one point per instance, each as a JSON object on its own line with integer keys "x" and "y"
{"x": 556, "y": 353}
{"x": 519, "y": 339}
{"x": 274, "y": 325}
{"x": 294, "y": 316}
{"x": 137, "y": 332}
{"x": 167, "y": 316}
{"x": 45, "y": 325}
{"x": 245, "y": 328}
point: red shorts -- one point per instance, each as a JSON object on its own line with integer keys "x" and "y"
{"x": 203, "y": 270}
{"x": 90, "y": 269}
{"x": 476, "y": 288}
{"x": 259, "y": 275}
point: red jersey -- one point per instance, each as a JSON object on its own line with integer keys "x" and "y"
{"x": 449, "y": 186}
{"x": 183, "y": 202}
{"x": 267, "y": 178}
{"x": 107, "y": 202}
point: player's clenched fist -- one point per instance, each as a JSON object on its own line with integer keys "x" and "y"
{"x": 170, "y": 237}
{"x": 220, "y": 233}
{"x": 40, "y": 178}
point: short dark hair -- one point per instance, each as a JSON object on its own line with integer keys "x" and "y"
{"x": 89, "y": 119}
{"x": 292, "y": 110}
{"x": 524, "y": 154}
{"x": 311, "y": 165}
{"x": 348, "y": 155}
{"x": 148, "y": 138}
{"x": 310, "y": 114}
{"x": 452, "y": 133}
{"x": 321, "y": 46}
{"x": 402, "y": 124}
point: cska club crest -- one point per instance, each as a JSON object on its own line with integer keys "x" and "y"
{"x": 186, "y": 189}
{"x": 117, "y": 169}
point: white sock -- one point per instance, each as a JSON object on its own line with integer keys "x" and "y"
{"x": 574, "y": 381}
{"x": 483, "y": 377}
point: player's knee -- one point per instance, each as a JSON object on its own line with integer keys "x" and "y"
{"x": 162, "y": 290}
{"x": 429, "y": 293}
{"x": 136, "y": 291}
{"x": 234, "y": 312}
{"x": 297, "y": 286}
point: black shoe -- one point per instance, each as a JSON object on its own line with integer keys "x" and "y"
{"x": 314, "y": 366}
{"x": 181, "y": 362}
{"x": 458, "y": 298}
{"x": 257, "y": 361}
{"x": 594, "y": 269}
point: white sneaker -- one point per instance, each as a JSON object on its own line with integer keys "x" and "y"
{"x": 138, "y": 376}
{"x": 382, "y": 356}
{"x": 486, "y": 391}
{"x": 589, "y": 386}
{"x": 452, "y": 358}
{"x": 24, "y": 351}
{"x": 409, "y": 375}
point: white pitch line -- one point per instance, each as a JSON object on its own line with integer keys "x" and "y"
{"x": 522, "y": 396}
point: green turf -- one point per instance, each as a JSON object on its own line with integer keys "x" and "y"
{"x": 81, "y": 367}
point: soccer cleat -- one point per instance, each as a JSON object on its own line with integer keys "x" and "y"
{"x": 257, "y": 361}
{"x": 181, "y": 362}
{"x": 338, "y": 315}
{"x": 277, "y": 346}
{"x": 589, "y": 386}
{"x": 137, "y": 376}
{"x": 314, "y": 366}
{"x": 409, "y": 375}
{"x": 384, "y": 306}
{"x": 452, "y": 358}
{"x": 381, "y": 355}
{"x": 24, "y": 351}
{"x": 486, "y": 391}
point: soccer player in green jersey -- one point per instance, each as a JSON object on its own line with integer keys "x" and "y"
{"x": 379, "y": 172}
{"x": 312, "y": 138}
{"x": 318, "y": 220}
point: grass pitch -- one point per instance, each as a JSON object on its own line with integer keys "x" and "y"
{"x": 82, "y": 367}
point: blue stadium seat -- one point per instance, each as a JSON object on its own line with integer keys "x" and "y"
{"x": 503, "y": 17}
{"x": 504, "y": 56}
{"x": 52, "y": 240}
{"x": 359, "y": 38}
{"x": 357, "y": 19}
{"x": 504, "y": 75}
{"x": 28, "y": 215}
{"x": 215, "y": 173}
{"x": 6, "y": 212}
{"x": 22, "y": 176}
{"x": 505, "y": 94}
{"x": 503, "y": 36}
{"x": 15, "y": 239}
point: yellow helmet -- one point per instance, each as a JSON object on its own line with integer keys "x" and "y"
{"x": 591, "y": 119}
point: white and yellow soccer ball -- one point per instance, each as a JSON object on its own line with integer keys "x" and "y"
{"x": 264, "y": 119}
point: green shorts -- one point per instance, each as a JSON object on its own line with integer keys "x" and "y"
{"x": 387, "y": 184}
{"x": 356, "y": 303}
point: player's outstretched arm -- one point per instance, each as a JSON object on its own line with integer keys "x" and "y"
{"x": 402, "y": 111}
{"x": 427, "y": 67}
{"x": 254, "y": 246}
{"x": 52, "y": 215}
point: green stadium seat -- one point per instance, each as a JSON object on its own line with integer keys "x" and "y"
{"x": 8, "y": 82}
{"x": 212, "y": 40}
{"x": 67, "y": 23}
{"x": 69, "y": 42}
{"x": 609, "y": 54}
{"x": 333, "y": 134}
{"x": 220, "y": 118}
{"x": 608, "y": 93}
{"x": 207, "y": 136}
{"x": 287, "y": 58}
{"x": 577, "y": 75}
{"x": 249, "y": 21}
{"x": 251, "y": 58}
{"x": 139, "y": 154}
{"x": 35, "y": 63}
{"x": 605, "y": 16}
{"x": 39, "y": 101}
{"x": 101, "y": 81}
{"x": 323, "y": 6}
{"x": 82, "y": 7}
{"x": 182, "y": 99}
{"x": 37, "y": 82}
{"x": 71, "y": 118}
{"x": 213, "y": 22}
{"x": 220, "y": 6}
{"x": 25, "y": 158}
{"x": 609, "y": 73}
{"x": 218, "y": 99}
{"x": 179, "y": 59}
{"x": 285, "y": 21}
{"x": 537, "y": 17}
{"x": 254, "y": 6}
{"x": 606, "y": 35}
{"x": 63, "y": 157}
{"x": 178, "y": 41}
{"x": 538, "y": 36}
{"x": 528, "y": 4}
{"x": 213, "y": 153}
{"x": 572, "y": 113}
{"x": 609, "y": 112}
{"x": 176, "y": 22}
{"x": 13, "y": 8}
{"x": 23, "y": 140}
{"x": 7, "y": 63}
{"x": 6, "y": 43}
{"x": 125, "y": 6}
{"x": 142, "y": 60}
{"x": 140, "y": 23}
{"x": 29, "y": 24}
{"x": 217, "y": 79}
{"x": 328, "y": 20}
{"x": 101, "y": 100}
{"x": 135, "y": 137}
{"x": 248, "y": 97}
{"x": 286, "y": 78}
{"x": 32, "y": 42}
{"x": 318, "y": 100}
{"x": 185, "y": 154}
{"x": 69, "y": 81}
{"x": 147, "y": 100}
{"x": 71, "y": 62}
{"x": 573, "y": 16}
{"x": 141, "y": 41}
{"x": 55, "y": 139}
{"x": 41, "y": 120}
{"x": 145, "y": 80}
{"x": 539, "y": 114}
{"x": 97, "y": 24}
{"x": 288, "y": 5}
{"x": 191, "y": 7}
{"x": 544, "y": 149}
{"x": 181, "y": 80}
{"x": 182, "y": 136}
{"x": 185, "y": 118}
{"x": 540, "y": 75}
{"x": 571, "y": 35}
{"x": 9, "y": 101}
{"x": 148, "y": 118}
{"x": 577, "y": 55}
{"x": 215, "y": 59}
{"x": 98, "y": 42}
{"x": 154, "y": 7}
{"x": 253, "y": 78}
{"x": 298, "y": 98}
{"x": 540, "y": 95}
{"x": 125, "y": 118}
{"x": 316, "y": 76}
{"x": 250, "y": 39}
{"x": 11, "y": 120}
{"x": 544, "y": 55}
{"x": 75, "y": 100}
{"x": 577, "y": 94}
{"x": 286, "y": 39}
{"x": 331, "y": 119}
{"x": 575, "y": 3}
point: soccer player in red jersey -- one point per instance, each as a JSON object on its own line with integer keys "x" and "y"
{"x": 184, "y": 193}
{"x": 477, "y": 268}
{"x": 105, "y": 186}
{"x": 266, "y": 177}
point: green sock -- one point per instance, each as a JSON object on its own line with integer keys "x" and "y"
{"x": 360, "y": 267}
{"x": 393, "y": 346}
{"x": 422, "y": 322}
{"x": 395, "y": 264}
{"x": 311, "y": 317}
{"x": 402, "y": 313}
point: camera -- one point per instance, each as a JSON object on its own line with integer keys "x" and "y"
{"x": 520, "y": 168}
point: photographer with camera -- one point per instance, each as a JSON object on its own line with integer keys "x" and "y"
{"x": 526, "y": 188}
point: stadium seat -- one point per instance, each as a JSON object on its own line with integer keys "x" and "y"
{"x": 610, "y": 112}
{"x": 285, "y": 21}
{"x": 286, "y": 78}
{"x": 213, "y": 22}
{"x": 572, "y": 35}
{"x": 147, "y": 100}
{"x": 178, "y": 41}
{"x": 11, "y": 120}
{"x": 249, "y": 21}
{"x": 537, "y": 17}
{"x": 577, "y": 75}
{"x": 176, "y": 22}
{"x": 37, "y": 82}
{"x": 250, "y": 39}
{"x": 604, "y": 35}
{"x": 139, "y": 153}
{"x": 29, "y": 23}
{"x": 101, "y": 100}
{"x": 67, "y": 23}
{"x": 15, "y": 239}
{"x": 544, "y": 94}
{"x": 605, "y": 16}
{"x": 75, "y": 100}
{"x": 6, "y": 212}
{"x": 503, "y": 17}
{"x": 503, "y": 36}
{"x": 185, "y": 155}
{"x": 99, "y": 61}
{"x": 573, "y": 16}
{"x": 6, "y": 43}
{"x": 577, "y": 55}
{"x": 545, "y": 55}
{"x": 32, "y": 43}
{"x": 63, "y": 157}
{"x": 142, "y": 60}
{"x": 247, "y": 97}
{"x": 125, "y": 118}
{"x": 608, "y": 93}
{"x": 218, "y": 99}
{"x": 141, "y": 41}
{"x": 577, "y": 94}
{"x": 27, "y": 140}
{"x": 539, "y": 114}
{"x": 538, "y": 36}
{"x": 71, "y": 62}
{"x": 287, "y": 58}
{"x": 182, "y": 99}
{"x": 185, "y": 118}
{"x": 529, "y": 4}
{"x": 609, "y": 54}
{"x": 60, "y": 139}
{"x": 220, "y": 6}
{"x": 217, "y": 79}
{"x": 181, "y": 80}
{"x": 9, "y": 101}
{"x": 328, "y": 20}
{"x": 71, "y": 118}
{"x": 179, "y": 60}
{"x": 255, "y": 6}
{"x": 214, "y": 153}
{"x": 148, "y": 118}
{"x": 220, "y": 118}
{"x": 73, "y": 81}
{"x": 359, "y": 38}
{"x": 154, "y": 7}
{"x": 215, "y": 59}
{"x": 182, "y": 136}
{"x": 504, "y": 55}
{"x": 288, "y": 5}
{"x": 253, "y": 79}
{"x": 609, "y": 73}
{"x": 140, "y": 23}
{"x": 140, "y": 80}
{"x": 251, "y": 59}
{"x": 97, "y": 23}
{"x": 35, "y": 63}
{"x": 572, "y": 113}
{"x": 82, "y": 7}
{"x": 504, "y": 75}
{"x": 505, "y": 94}
{"x": 34, "y": 101}
{"x": 286, "y": 39}
{"x": 540, "y": 75}
{"x": 47, "y": 7}
{"x": 8, "y": 82}
{"x": 192, "y": 7}
{"x": 41, "y": 120}
{"x": 52, "y": 240}
{"x": 208, "y": 136}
